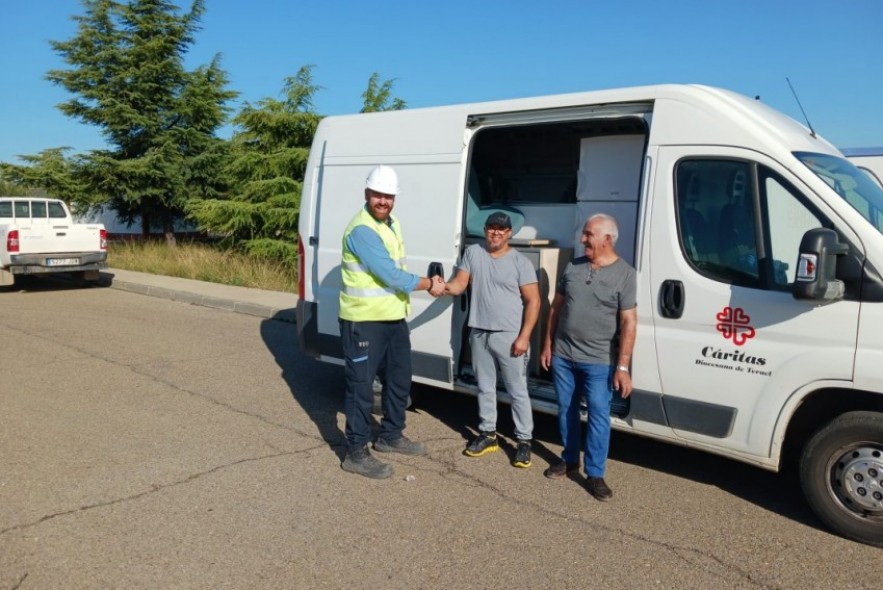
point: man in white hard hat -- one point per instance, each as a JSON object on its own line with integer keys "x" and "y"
{"x": 374, "y": 302}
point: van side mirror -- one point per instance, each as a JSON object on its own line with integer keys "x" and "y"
{"x": 817, "y": 267}
{"x": 436, "y": 269}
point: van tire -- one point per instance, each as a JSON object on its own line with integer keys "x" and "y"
{"x": 841, "y": 473}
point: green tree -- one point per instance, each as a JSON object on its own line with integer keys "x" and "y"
{"x": 128, "y": 78}
{"x": 12, "y": 188}
{"x": 378, "y": 97}
{"x": 51, "y": 173}
{"x": 268, "y": 158}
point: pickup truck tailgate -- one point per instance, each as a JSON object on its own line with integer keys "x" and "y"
{"x": 58, "y": 238}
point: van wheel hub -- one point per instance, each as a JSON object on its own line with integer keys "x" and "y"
{"x": 857, "y": 479}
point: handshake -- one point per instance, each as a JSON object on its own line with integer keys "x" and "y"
{"x": 437, "y": 286}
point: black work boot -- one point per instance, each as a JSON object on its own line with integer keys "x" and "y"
{"x": 361, "y": 461}
{"x": 403, "y": 445}
{"x": 598, "y": 488}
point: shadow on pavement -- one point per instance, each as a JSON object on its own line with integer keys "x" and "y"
{"x": 777, "y": 492}
{"x": 48, "y": 282}
{"x": 459, "y": 411}
{"x": 317, "y": 387}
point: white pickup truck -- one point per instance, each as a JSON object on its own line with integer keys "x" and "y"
{"x": 38, "y": 236}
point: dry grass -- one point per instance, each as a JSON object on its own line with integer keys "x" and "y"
{"x": 202, "y": 262}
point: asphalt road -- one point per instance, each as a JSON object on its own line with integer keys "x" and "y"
{"x": 150, "y": 443}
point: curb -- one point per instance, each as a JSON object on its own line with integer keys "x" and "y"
{"x": 244, "y": 307}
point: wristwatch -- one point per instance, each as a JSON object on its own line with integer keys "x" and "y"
{"x": 622, "y": 368}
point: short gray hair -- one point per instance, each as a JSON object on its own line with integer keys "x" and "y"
{"x": 609, "y": 224}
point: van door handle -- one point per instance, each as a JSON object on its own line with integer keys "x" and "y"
{"x": 672, "y": 298}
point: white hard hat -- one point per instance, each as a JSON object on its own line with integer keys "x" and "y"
{"x": 383, "y": 179}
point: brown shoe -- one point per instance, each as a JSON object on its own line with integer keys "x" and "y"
{"x": 598, "y": 488}
{"x": 560, "y": 469}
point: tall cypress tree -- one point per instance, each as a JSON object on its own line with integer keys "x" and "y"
{"x": 127, "y": 76}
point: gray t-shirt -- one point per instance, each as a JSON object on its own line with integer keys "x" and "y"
{"x": 496, "y": 288}
{"x": 588, "y": 323}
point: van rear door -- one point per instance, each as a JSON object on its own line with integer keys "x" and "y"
{"x": 427, "y": 154}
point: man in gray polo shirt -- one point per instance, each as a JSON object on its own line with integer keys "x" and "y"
{"x": 588, "y": 346}
{"x": 503, "y": 310}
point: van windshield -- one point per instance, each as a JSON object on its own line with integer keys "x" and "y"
{"x": 849, "y": 182}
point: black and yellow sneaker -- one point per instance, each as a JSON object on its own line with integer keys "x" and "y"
{"x": 484, "y": 443}
{"x": 522, "y": 454}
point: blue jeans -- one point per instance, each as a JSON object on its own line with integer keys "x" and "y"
{"x": 573, "y": 380}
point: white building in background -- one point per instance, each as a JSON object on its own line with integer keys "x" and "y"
{"x": 115, "y": 226}
{"x": 870, "y": 160}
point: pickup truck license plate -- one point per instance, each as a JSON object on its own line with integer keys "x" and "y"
{"x": 62, "y": 261}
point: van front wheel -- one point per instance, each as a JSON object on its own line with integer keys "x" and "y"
{"x": 841, "y": 473}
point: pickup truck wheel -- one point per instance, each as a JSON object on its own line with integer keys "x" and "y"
{"x": 841, "y": 473}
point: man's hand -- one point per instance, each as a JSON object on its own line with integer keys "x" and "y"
{"x": 546, "y": 358}
{"x": 622, "y": 382}
{"x": 438, "y": 286}
{"x": 520, "y": 346}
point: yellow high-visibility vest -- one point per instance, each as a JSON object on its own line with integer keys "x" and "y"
{"x": 363, "y": 298}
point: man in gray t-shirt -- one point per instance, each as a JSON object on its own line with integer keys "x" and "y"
{"x": 588, "y": 347}
{"x": 503, "y": 310}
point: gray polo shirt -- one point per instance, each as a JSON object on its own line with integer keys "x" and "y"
{"x": 588, "y": 323}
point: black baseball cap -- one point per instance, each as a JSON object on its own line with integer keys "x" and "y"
{"x": 498, "y": 219}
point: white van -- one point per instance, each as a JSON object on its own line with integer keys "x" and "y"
{"x": 758, "y": 249}
{"x": 869, "y": 160}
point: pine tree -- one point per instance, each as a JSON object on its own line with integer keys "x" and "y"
{"x": 128, "y": 78}
{"x": 50, "y": 172}
{"x": 268, "y": 160}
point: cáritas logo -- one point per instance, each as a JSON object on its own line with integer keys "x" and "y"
{"x": 734, "y": 324}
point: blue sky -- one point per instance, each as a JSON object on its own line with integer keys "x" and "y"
{"x": 447, "y": 52}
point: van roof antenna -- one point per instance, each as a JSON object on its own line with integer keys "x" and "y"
{"x": 812, "y": 131}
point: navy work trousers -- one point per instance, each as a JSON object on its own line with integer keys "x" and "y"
{"x": 367, "y": 346}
